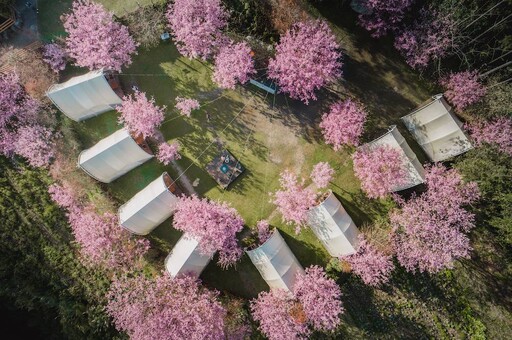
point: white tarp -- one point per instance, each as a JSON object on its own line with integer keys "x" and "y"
{"x": 186, "y": 258}
{"x": 437, "y": 130}
{"x": 112, "y": 157}
{"x": 84, "y": 96}
{"x": 276, "y": 263}
{"x": 149, "y": 207}
{"x": 334, "y": 227}
{"x": 415, "y": 171}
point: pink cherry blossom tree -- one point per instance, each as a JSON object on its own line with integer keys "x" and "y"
{"x": 307, "y": 58}
{"x": 264, "y": 231}
{"x": 213, "y": 224}
{"x": 379, "y": 169}
{"x": 382, "y": 16}
{"x": 95, "y": 40}
{"x": 102, "y": 240}
{"x": 314, "y": 304}
{"x": 168, "y": 152}
{"x": 343, "y": 124}
{"x": 165, "y": 308}
{"x": 140, "y": 114}
{"x": 196, "y": 26}
{"x": 233, "y": 64}
{"x": 370, "y": 264}
{"x": 55, "y": 57}
{"x": 429, "y": 38}
{"x": 319, "y": 297}
{"x": 322, "y": 174}
{"x": 293, "y": 200}
{"x": 35, "y": 143}
{"x": 185, "y": 106}
{"x": 463, "y": 89}
{"x": 429, "y": 231}
{"x": 496, "y": 132}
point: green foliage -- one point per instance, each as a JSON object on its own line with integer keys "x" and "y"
{"x": 492, "y": 171}
{"x": 251, "y": 17}
{"x": 39, "y": 269}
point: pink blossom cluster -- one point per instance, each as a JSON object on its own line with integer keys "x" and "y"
{"x": 95, "y": 40}
{"x": 36, "y": 143}
{"x": 16, "y": 106}
{"x": 55, "y": 57}
{"x": 293, "y": 200}
{"x": 371, "y": 265}
{"x": 380, "y": 169}
{"x": 102, "y": 240}
{"x": 496, "y": 132}
{"x": 264, "y": 231}
{"x": 233, "y": 64}
{"x": 213, "y": 224}
{"x": 165, "y": 308}
{"x": 343, "y": 124}
{"x": 314, "y": 305}
{"x": 383, "y": 16}
{"x": 428, "y": 39}
{"x": 140, "y": 115}
{"x": 196, "y": 26}
{"x": 322, "y": 174}
{"x": 186, "y": 105}
{"x": 168, "y": 152}
{"x": 463, "y": 89}
{"x": 429, "y": 231}
{"x": 307, "y": 58}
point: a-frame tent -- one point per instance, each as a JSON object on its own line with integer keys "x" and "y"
{"x": 84, "y": 96}
{"x": 113, "y": 156}
{"x": 186, "y": 258}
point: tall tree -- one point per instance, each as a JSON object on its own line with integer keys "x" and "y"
{"x": 429, "y": 231}
{"x": 233, "y": 64}
{"x": 140, "y": 114}
{"x": 382, "y": 16}
{"x": 496, "y": 132}
{"x": 95, "y": 40}
{"x": 307, "y": 58}
{"x": 196, "y": 26}
{"x": 463, "y": 89}
{"x": 213, "y": 224}
{"x": 343, "y": 124}
{"x": 165, "y": 308}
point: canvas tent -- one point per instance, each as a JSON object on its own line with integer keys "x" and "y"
{"x": 276, "y": 262}
{"x": 113, "y": 156}
{"x": 150, "y": 207}
{"x": 186, "y": 257}
{"x": 394, "y": 139}
{"x": 334, "y": 227}
{"x": 84, "y": 96}
{"x": 437, "y": 130}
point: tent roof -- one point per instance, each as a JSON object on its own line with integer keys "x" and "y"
{"x": 112, "y": 157}
{"x": 149, "y": 207}
{"x": 185, "y": 257}
{"x": 437, "y": 130}
{"x": 84, "y": 96}
{"x": 394, "y": 139}
{"x": 276, "y": 262}
{"x": 334, "y": 227}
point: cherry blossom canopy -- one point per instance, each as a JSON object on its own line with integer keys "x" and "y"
{"x": 186, "y": 258}
{"x": 437, "y": 130}
{"x": 334, "y": 227}
{"x": 84, "y": 96}
{"x": 149, "y": 207}
{"x": 112, "y": 157}
{"x": 414, "y": 169}
{"x": 276, "y": 262}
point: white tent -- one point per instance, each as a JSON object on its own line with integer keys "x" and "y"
{"x": 276, "y": 262}
{"x": 394, "y": 139}
{"x": 84, "y": 96}
{"x": 150, "y": 207}
{"x": 186, "y": 258}
{"x": 112, "y": 157}
{"x": 334, "y": 227}
{"x": 437, "y": 130}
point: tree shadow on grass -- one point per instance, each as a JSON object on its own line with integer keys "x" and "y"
{"x": 305, "y": 253}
